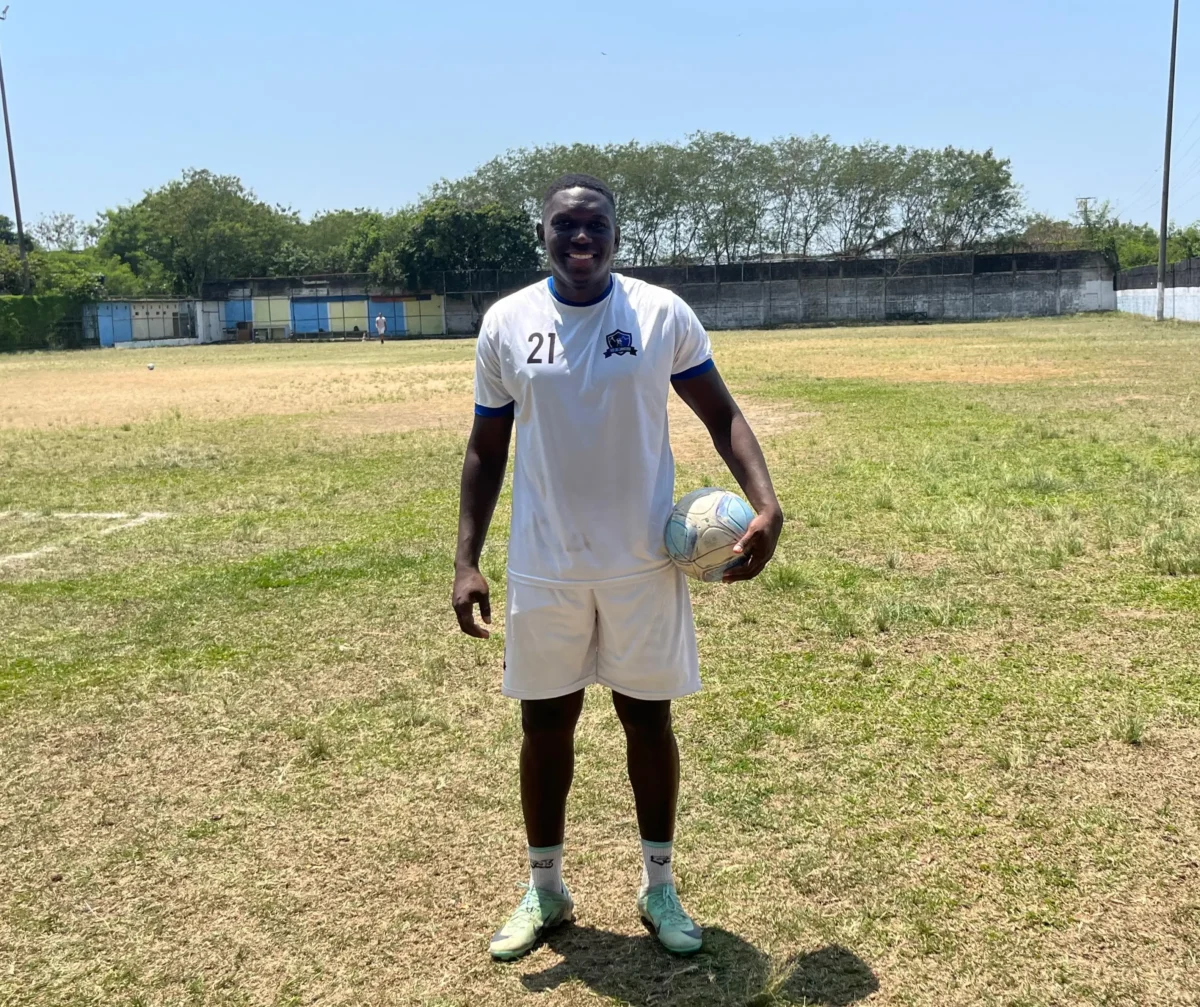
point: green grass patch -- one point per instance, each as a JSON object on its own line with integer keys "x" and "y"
{"x": 943, "y": 753}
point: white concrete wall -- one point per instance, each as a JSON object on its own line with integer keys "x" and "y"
{"x": 210, "y": 321}
{"x": 1099, "y": 295}
{"x": 160, "y": 322}
{"x": 1182, "y": 303}
{"x": 149, "y": 344}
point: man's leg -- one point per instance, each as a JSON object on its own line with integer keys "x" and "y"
{"x": 652, "y": 757}
{"x": 653, "y": 760}
{"x": 549, "y": 650}
{"x": 548, "y": 765}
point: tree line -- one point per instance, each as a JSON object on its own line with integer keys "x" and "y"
{"x": 715, "y": 197}
{"x": 204, "y": 226}
{"x": 724, "y": 198}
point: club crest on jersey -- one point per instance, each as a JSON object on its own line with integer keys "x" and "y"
{"x": 620, "y": 343}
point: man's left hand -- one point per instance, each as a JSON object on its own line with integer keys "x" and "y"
{"x": 757, "y": 545}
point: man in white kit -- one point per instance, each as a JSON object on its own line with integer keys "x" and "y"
{"x": 582, "y": 365}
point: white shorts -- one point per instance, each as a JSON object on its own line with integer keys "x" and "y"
{"x": 635, "y": 636}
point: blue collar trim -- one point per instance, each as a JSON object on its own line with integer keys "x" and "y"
{"x": 581, "y": 304}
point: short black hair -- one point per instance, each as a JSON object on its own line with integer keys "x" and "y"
{"x": 577, "y": 180}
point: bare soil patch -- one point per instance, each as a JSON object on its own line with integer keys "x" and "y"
{"x": 203, "y": 386}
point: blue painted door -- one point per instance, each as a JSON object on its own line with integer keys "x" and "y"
{"x": 115, "y": 323}
{"x": 123, "y": 323}
{"x": 104, "y": 324}
{"x": 238, "y": 310}
{"x": 310, "y": 314}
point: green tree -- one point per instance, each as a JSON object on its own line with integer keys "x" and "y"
{"x": 716, "y": 197}
{"x": 1183, "y": 243}
{"x": 68, "y": 274}
{"x": 198, "y": 228}
{"x": 729, "y": 194}
{"x": 8, "y": 234}
{"x": 11, "y": 281}
{"x": 373, "y": 247}
{"x": 647, "y": 176}
{"x": 1124, "y": 243}
{"x": 866, "y": 180}
{"x": 321, "y": 245}
{"x": 975, "y": 198}
{"x": 801, "y": 182}
{"x": 446, "y": 237}
{"x": 60, "y": 232}
{"x": 84, "y": 275}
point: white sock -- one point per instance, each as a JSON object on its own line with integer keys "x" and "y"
{"x": 545, "y": 867}
{"x": 656, "y": 864}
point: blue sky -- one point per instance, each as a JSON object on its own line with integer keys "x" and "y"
{"x": 366, "y": 102}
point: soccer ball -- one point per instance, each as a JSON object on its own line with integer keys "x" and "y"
{"x": 703, "y": 529}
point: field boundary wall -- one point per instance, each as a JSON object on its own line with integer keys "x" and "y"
{"x": 1137, "y": 291}
{"x": 950, "y": 287}
{"x": 752, "y": 295}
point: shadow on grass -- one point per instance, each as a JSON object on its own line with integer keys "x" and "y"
{"x": 728, "y": 970}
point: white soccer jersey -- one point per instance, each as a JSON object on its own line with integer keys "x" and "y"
{"x": 594, "y": 479}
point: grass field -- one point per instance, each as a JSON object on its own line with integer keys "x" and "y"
{"x": 948, "y": 752}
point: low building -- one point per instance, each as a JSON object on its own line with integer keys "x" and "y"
{"x": 957, "y": 286}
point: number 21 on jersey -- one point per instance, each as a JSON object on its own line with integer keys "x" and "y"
{"x": 538, "y": 341}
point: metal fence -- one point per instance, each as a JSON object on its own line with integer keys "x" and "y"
{"x": 960, "y": 286}
{"x": 751, "y": 294}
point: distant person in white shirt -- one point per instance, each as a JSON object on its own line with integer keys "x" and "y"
{"x": 582, "y": 366}
{"x": 380, "y": 326}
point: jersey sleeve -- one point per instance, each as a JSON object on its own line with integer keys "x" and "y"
{"x": 491, "y": 397}
{"x": 693, "y": 349}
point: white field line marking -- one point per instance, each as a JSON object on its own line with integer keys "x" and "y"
{"x": 17, "y": 557}
{"x": 33, "y": 515}
{"x": 140, "y": 519}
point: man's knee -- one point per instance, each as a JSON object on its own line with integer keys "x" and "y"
{"x": 646, "y": 719}
{"x": 541, "y": 717}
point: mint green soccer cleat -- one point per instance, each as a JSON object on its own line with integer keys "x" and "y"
{"x": 664, "y": 917}
{"x": 539, "y": 911}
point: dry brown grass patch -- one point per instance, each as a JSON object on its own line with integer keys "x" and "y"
{"x": 212, "y": 383}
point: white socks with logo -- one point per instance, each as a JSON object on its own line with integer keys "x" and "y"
{"x": 545, "y": 868}
{"x": 656, "y": 865}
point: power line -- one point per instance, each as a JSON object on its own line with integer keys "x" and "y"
{"x": 1190, "y": 174}
{"x": 1141, "y": 188}
{"x": 1184, "y": 135}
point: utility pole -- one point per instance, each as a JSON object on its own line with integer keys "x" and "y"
{"x": 1083, "y": 206}
{"x": 12, "y": 168}
{"x": 1162, "y": 232}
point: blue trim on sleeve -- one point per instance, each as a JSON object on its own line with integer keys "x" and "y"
{"x": 581, "y": 304}
{"x": 492, "y": 411}
{"x": 695, "y": 372}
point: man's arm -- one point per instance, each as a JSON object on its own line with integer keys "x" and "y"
{"x": 735, "y": 442}
{"x": 482, "y": 478}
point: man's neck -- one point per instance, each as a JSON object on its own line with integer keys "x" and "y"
{"x": 590, "y": 294}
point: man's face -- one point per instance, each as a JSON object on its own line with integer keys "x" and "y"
{"x": 580, "y": 234}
